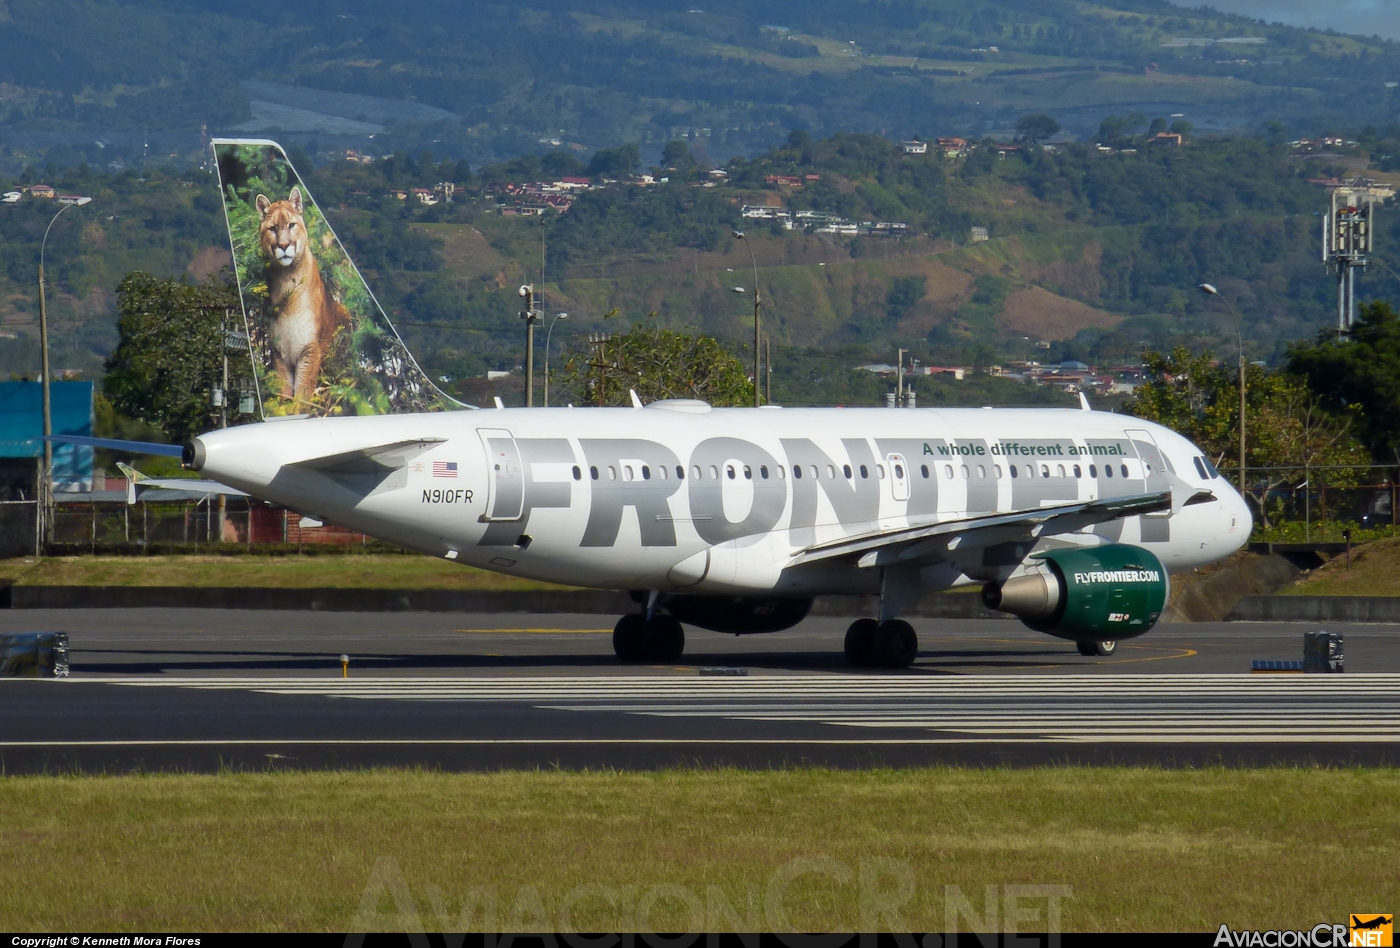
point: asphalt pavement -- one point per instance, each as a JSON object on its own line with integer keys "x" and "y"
{"x": 198, "y": 690}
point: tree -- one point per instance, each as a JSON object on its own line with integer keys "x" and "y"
{"x": 677, "y": 155}
{"x": 1360, "y": 369}
{"x": 904, "y": 292}
{"x": 615, "y": 162}
{"x": 1035, "y": 128}
{"x": 170, "y": 351}
{"x": 1289, "y": 427}
{"x": 656, "y": 363}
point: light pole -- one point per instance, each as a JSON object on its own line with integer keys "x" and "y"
{"x": 547, "y": 336}
{"x": 531, "y": 316}
{"x": 757, "y": 302}
{"x": 1239, "y": 337}
{"x": 46, "y": 482}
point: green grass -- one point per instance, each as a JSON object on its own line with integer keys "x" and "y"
{"x": 344, "y": 571}
{"x": 1141, "y": 849}
{"x": 1375, "y": 571}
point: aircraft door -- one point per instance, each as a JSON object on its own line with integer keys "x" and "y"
{"x": 899, "y": 476}
{"x": 1156, "y": 527}
{"x": 505, "y": 475}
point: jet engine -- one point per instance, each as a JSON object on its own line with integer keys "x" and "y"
{"x": 1097, "y": 594}
{"x": 739, "y": 614}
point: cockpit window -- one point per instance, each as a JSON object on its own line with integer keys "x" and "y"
{"x": 1200, "y": 469}
{"x": 1211, "y": 468}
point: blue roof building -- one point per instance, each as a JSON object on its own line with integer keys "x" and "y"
{"x": 22, "y": 437}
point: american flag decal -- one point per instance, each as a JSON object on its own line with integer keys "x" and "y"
{"x": 444, "y": 469}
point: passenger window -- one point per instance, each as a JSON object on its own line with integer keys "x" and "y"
{"x": 948, "y": 471}
{"x": 1108, "y": 470}
{"x": 729, "y": 469}
{"x": 627, "y": 474}
{"x": 814, "y": 472}
{"x": 782, "y": 473}
{"x": 646, "y": 473}
{"x": 763, "y": 471}
{"x": 797, "y": 472}
{"x": 1044, "y": 470}
{"x": 1123, "y": 469}
{"x": 899, "y": 471}
{"x": 612, "y": 473}
{"x": 1012, "y": 468}
{"x": 997, "y": 469}
{"x": 578, "y": 475}
{"x": 714, "y": 472}
{"x": 923, "y": 469}
{"x": 662, "y": 471}
{"x": 1060, "y": 471}
{"x": 748, "y": 473}
{"x": 831, "y": 472}
{"x": 964, "y": 472}
{"x": 864, "y": 471}
{"x": 593, "y": 472}
{"x": 680, "y": 473}
{"x": 846, "y": 470}
{"x": 696, "y": 473}
{"x": 1093, "y": 470}
{"x": 981, "y": 471}
{"x": 880, "y": 470}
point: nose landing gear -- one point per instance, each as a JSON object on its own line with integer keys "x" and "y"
{"x": 639, "y": 639}
{"x": 889, "y": 644}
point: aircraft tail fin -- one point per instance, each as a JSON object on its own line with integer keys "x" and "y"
{"x": 319, "y": 343}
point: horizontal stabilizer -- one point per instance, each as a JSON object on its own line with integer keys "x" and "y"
{"x": 112, "y": 444}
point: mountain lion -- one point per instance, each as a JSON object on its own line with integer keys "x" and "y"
{"x": 305, "y": 315}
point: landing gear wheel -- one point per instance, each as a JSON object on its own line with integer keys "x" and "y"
{"x": 1101, "y": 649}
{"x": 664, "y": 638}
{"x": 629, "y": 638}
{"x": 860, "y": 643}
{"x": 896, "y": 644}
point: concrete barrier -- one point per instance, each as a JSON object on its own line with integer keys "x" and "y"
{"x": 1317, "y": 609}
{"x": 585, "y": 601}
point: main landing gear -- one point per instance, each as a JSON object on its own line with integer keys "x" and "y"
{"x": 889, "y": 644}
{"x": 1103, "y": 649}
{"x": 639, "y": 639}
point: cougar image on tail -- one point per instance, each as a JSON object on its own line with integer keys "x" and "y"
{"x": 304, "y": 314}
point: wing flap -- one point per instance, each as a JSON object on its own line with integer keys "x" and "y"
{"x": 366, "y": 460}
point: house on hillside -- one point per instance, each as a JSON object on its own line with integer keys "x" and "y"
{"x": 1170, "y": 139}
{"x": 41, "y": 191}
{"x": 915, "y": 147}
{"x": 783, "y": 180}
{"x": 954, "y": 147}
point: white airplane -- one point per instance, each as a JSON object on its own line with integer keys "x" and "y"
{"x": 734, "y": 519}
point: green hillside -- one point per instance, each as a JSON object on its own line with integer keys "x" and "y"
{"x": 130, "y": 80}
{"x": 1090, "y": 256}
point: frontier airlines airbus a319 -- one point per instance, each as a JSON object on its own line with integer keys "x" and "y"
{"x": 728, "y": 519}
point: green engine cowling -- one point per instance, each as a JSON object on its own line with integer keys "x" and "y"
{"x": 1096, "y": 594}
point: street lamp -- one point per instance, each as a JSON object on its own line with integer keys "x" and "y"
{"x": 547, "y": 335}
{"x": 46, "y": 482}
{"x": 757, "y": 302}
{"x": 531, "y": 316}
{"x": 1239, "y": 337}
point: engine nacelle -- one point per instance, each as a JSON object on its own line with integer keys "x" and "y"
{"x": 739, "y": 614}
{"x": 1096, "y": 594}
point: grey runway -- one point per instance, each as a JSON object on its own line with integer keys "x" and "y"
{"x": 198, "y": 690}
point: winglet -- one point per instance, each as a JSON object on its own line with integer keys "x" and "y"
{"x": 1084, "y": 402}
{"x": 636, "y": 402}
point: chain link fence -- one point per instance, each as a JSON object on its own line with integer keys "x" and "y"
{"x": 96, "y": 527}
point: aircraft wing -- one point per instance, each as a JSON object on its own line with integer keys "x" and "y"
{"x": 908, "y": 544}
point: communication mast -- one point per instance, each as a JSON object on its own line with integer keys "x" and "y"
{"x": 1346, "y": 244}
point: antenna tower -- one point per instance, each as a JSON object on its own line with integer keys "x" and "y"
{"x": 1346, "y": 244}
